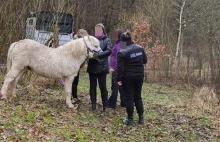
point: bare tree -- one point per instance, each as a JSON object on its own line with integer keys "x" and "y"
{"x": 180, "y": 29}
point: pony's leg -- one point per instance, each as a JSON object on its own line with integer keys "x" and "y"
{"x": 10, "y": 88}
{"x": 14, "y": 83}
{"x": 10, "y": 77}
{"x": 67, "y": 87}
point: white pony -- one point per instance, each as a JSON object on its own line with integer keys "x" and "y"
{"x": 59, "y": 63}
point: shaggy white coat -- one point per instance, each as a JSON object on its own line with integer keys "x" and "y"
{"x": 59, "y": 63}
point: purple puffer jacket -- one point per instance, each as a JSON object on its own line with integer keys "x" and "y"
{"x": 113, "y": 58}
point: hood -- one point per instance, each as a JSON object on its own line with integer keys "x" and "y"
{"x": 103, "y": 28}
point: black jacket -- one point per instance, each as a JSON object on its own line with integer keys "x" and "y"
{"x": 130, "y": 61}
{"x": 97, "y": 67}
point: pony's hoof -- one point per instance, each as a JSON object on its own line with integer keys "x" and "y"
{"x": 71, "y": 106}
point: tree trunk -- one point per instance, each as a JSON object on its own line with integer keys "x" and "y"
{"x": 180, "y": 30}
{"x": 56, "y": 35}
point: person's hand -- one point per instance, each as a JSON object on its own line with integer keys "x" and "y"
{"x": 95, "y": 55}
{"x": 111, "y": 70}
{"x": 119, "y": 83}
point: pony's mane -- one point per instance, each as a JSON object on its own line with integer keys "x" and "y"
{"x": 75, "y": 47}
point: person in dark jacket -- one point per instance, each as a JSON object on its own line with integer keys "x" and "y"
{"x": 98, "y": 69}
{"x": 130, "y": 74}
{"x": 113, "y": 66}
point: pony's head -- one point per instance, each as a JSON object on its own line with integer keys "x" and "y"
{"x": 92, "y": 44}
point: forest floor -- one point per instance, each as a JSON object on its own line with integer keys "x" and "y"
{"x": 39, "y": 113}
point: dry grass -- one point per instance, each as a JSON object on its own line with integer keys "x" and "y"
{"x": 39, "y": 113}
{"x": 205, "y": 99}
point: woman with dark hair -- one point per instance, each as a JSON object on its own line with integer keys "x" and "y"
{"x": 113, "y": 66}
{"x": 98, "y": 68}
{"x": 130, "y": 74}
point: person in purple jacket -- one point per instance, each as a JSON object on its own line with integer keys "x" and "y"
{"x": 113, "y": 66}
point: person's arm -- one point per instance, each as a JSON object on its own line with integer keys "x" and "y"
{"x": 109, "y": 44}
{"x": 144, "y": 57}
{"x": 113, "y": 56}
{"x": 108, "y": 50}
{"x": 104, "y": 53}
{"x": 120, "y": 67}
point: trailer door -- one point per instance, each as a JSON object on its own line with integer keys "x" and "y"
{"x": 30, "y": 27}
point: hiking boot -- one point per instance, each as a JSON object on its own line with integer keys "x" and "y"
{"x": 110, "y": 106}
{"x": 141, "y": 120}
{"x": 128, "y": 122}
{"x": 93, "y": 106}
{"x": 76, "y": 101}
{"x": 104, "y": 109}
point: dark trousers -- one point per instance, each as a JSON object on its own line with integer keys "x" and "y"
{"x": 115, "y": 88}
{"x": 132, "y": 87}
{"x": 101, "y": 78}
{"x": 74, "y": 86}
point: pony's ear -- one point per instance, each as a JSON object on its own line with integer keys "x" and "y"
{"x": 89, "y": 38}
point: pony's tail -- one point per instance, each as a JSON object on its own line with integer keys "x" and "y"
{"x": 9, "y": 58}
